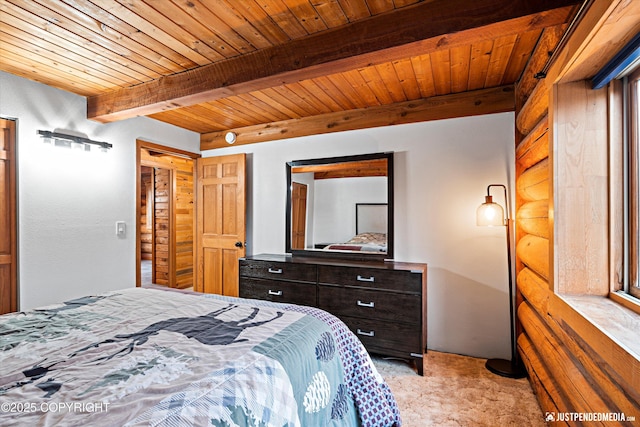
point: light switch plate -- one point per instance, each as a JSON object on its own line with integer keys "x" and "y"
{"x": 121, "y": 229}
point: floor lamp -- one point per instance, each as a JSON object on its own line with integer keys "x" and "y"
{"x": 492, "y": 214}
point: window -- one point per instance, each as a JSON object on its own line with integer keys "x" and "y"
{"x": 625, "y": 66}
{"x": 632, "y": 181}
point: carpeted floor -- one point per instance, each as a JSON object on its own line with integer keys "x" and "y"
{"x": 458, "y": 391}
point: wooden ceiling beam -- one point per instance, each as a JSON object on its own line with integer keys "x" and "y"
{"x": 473, "y": 103}
{"x": 414, "y": 30}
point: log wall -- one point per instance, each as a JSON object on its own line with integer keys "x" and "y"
{"x": 573, "y": 366}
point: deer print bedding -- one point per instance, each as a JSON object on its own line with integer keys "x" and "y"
{"x": 149, "y": 357}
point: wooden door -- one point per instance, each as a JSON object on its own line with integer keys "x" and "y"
{"x": 8, "y": 242}
{"x": 298, "y": 215}
{"x": 220, "y": 223}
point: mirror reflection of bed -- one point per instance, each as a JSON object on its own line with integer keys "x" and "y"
{"x": 341, "y": 205}
{"x": 371, "y": 230}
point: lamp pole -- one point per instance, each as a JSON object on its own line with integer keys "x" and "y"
{"x": 506, "y": 368}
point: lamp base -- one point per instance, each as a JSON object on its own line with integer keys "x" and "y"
{"x": 506, "y": 368}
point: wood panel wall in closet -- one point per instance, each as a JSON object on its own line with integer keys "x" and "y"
{"x": 173, "y": 217}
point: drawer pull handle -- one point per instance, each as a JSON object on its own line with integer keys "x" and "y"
{"x": 276, "y": 293}
{"x": 366, "y": 334}
{"x": 366, "y": 279}
{"x": 275, "y": 270}
{"x": 366, "y": 304}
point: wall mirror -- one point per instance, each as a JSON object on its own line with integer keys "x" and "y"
{"x": 341, "y": 207}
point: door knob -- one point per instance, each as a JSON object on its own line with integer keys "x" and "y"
{"x": 238, "y": 244}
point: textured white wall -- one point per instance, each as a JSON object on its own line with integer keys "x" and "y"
{"x": 442, "y": 170}
{"x": 68, "y": 202}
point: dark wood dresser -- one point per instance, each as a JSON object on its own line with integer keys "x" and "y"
{"x": 383, "y": 303}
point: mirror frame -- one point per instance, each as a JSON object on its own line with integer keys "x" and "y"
{"x": 343, "y": 254}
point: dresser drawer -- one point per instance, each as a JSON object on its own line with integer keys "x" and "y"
{"x": 370, "y": 304}
{"x": 277, "y": 291}
{"x": 378, "y": 336}
{"x": 397, "y": 280}
{"x": 278, "y": 270}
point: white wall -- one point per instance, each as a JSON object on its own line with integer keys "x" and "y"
{"x": 68, "y": 202}
{"x": 442, "y": 170}
{"x": 336, "y": 223}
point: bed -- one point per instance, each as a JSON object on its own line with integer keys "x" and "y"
{"x": 371, "y": 230}
{"x": 138, "y": 357}
{"x": 363, "y": 242}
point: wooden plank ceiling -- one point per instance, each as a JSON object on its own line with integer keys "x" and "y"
{"x": 268, "y": 69}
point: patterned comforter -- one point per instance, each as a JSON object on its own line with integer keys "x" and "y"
{"x": 150, "y": 357}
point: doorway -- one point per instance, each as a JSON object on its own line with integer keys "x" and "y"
{"x": 165, "y": 216}
{"x": 147, "y": 225}
{"x": 8, "y": 219}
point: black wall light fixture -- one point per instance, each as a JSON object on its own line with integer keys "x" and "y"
{"x": 72, "y": 141}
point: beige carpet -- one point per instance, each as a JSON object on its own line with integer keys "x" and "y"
{"x": 458, "y": 391}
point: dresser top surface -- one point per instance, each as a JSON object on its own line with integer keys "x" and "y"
{"x": 384, "y": 265}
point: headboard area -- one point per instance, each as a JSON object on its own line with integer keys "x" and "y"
{"x": 371, "y": 218}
